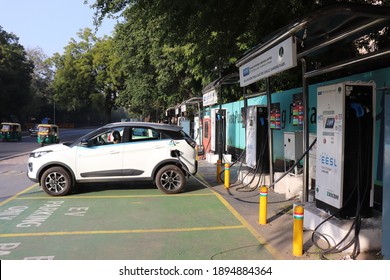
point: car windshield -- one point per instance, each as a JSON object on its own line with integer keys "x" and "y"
{"x": 6, "y": 127}
{"x": 44, "y": 129}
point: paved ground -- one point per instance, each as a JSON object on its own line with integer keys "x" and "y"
{"x": 122, "y": 221}
{"x": 277, "y": 234}
{"x": 137, "y": 221}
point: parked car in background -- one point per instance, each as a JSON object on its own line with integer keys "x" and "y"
{"x": 117, "y": 152}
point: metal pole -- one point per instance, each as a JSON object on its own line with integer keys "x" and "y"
{"x": 305, "y": 91}
{"x": 220, "y": 126}
{"x": 270, "y": 134}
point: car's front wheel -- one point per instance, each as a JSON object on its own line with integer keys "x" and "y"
{"x": 56, "y": 181}
{"x": 170, "y": 179}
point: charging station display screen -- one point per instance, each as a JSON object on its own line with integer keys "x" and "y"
{"x": 329, "y": 122}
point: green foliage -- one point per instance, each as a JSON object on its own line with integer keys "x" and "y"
{"x": 88, "y": 77}
{"x": 163, "y": 53}
{"x": 40, "y": 104}
{"x": 15, "y": 71}
{"x": 169, "y": 50}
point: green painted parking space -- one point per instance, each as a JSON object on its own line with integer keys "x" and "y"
{"x": 122, "y": 223}
{"x": 187, "y": 245}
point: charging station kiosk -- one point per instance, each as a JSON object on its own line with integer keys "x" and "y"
{"x": 345, "y": 131}
{"x": 206, "y": 134}
{"x": 185, "y": 123}
{"x": 218, "y": 143}
{"x": 257, "y": 138}
{"x": 218, "y": 128}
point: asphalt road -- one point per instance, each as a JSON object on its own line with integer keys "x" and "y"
{"x": 28, "y": 143}
{"x": 13, "y": 161}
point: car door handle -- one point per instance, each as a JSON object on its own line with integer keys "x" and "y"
{"x": 114, "y": 152}
{"x": 159, "y": 147}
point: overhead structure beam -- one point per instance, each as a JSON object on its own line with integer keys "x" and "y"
{"x": 321, "y": 31}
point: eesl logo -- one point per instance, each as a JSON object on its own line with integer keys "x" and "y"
{"x": 332, "y": 195}
{"x": 246, "y": 71}
{"x": 328, "y": 160}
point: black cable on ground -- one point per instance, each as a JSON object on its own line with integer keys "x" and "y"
{"x": 293, "y": 166}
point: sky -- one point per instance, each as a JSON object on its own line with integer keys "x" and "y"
{"x": 49, "y": 24}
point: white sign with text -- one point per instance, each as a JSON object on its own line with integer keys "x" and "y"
{"x": 281, "y": 57}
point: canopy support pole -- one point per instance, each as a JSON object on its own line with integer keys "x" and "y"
{"x": 305, "y": 93}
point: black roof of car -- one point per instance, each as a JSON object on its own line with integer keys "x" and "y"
{"x": 157, "y": 126}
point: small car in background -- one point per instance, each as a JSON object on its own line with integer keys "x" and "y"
{"x": 33, "y": 130}
{"x": 117, "y": 152}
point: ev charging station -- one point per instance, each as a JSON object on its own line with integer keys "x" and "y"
{"x": 218, "y": 143}
{"x": 218, "y": 130}
{"x": 206, "y": 136}
{"x": 344, "y": 145}
{"x": 345, "y": 132}
{"x": 186, "y": 124}
{"x": 257, "y": 138}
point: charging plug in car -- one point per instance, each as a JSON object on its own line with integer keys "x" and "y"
{"x": 175, "y": 153}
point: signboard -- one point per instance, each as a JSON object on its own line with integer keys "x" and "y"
{"x": 210, "y": 98}
{"x": 281, "y": 57}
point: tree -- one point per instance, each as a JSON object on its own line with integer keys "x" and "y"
{"x": 171, "y": 49}
{"x": 41, "y": 104}
{"x": 87, "y": 78}
{"x": 15, "y": 71}
{"x": 108, "y": 76}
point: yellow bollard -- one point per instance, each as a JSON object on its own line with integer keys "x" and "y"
{"x": 227, "y": 175}
{"x": 298, "y": 231}
{"x": 219, "y": 167}
{"x": 263, "y": 205}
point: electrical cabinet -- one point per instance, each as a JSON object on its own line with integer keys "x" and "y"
{"x": 293, "y": 145}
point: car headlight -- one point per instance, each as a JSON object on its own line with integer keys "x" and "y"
{"x": 39, "y": 154}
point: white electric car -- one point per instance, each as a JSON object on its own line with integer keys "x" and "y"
{"x": 117, "y": 152}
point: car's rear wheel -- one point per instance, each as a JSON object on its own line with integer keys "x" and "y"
{"x": 170, "y": 179}
{"x": 56, "y": 181}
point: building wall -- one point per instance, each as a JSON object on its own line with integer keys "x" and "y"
{"x": 236, "y": 131}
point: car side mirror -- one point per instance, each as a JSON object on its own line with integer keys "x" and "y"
{"x": 85, "y": 143}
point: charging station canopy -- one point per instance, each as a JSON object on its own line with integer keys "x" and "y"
{"x": 330, "y": 29}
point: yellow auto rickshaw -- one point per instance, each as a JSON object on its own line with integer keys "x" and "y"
{"x": 48, "y": 134}
{"x": 10, "y": 131}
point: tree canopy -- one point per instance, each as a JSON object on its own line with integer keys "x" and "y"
{"x": 87, "y": 78}
{"x": 15, "y": 77}
{"x": 169, "y": 50}
{"x": 162, "y": 53}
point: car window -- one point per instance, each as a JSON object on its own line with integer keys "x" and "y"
{"x": 143, "y": 134}
{"x": 107, "y": 137}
